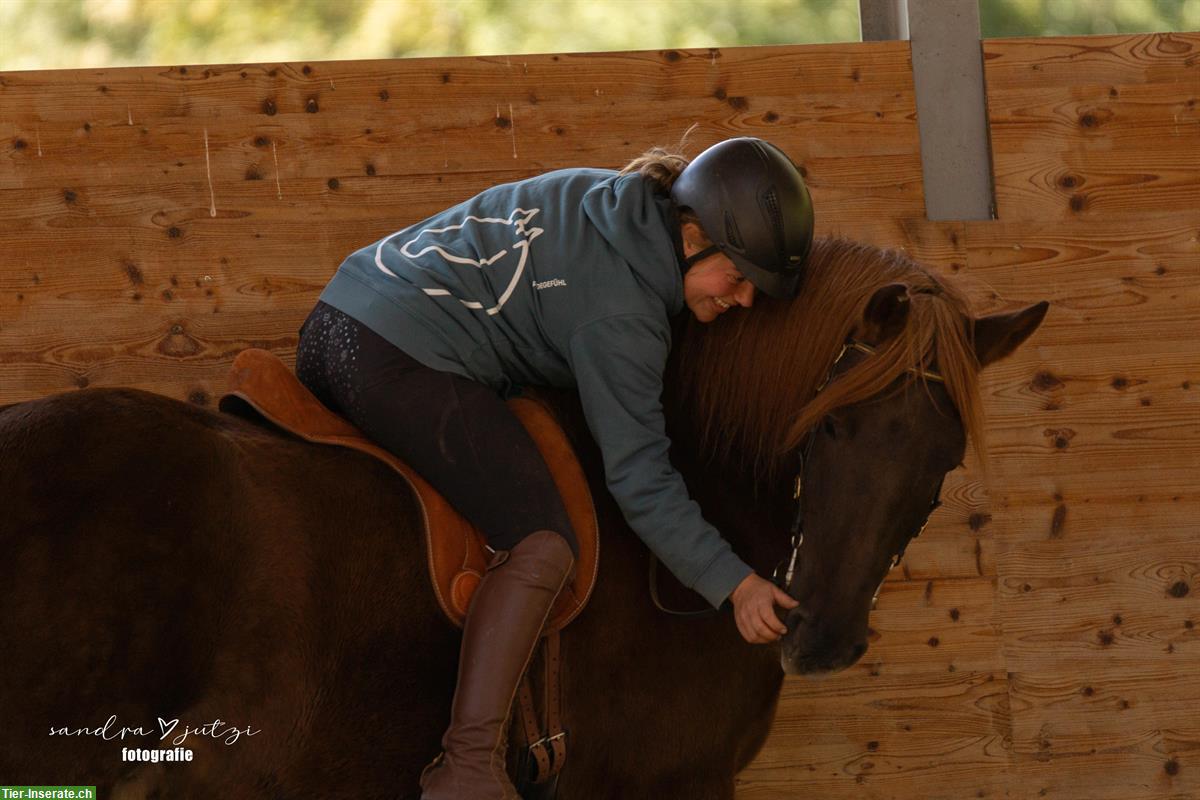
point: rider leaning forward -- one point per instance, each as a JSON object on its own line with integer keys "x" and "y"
{"x": 568, "y": 279}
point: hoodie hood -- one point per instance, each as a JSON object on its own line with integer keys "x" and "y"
{"x": 640, "y": 225}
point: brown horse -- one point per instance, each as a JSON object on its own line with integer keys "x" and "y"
{"x": 167, "y": 567}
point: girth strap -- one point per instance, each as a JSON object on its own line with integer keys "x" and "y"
{"x": 547, "y": 751}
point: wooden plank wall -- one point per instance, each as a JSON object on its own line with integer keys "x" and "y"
{"x": 1044, "y": 642}
{"x": 1041, "y": 638}
{"x": 153, "y": 222}
{"x": 1097, "y": 159}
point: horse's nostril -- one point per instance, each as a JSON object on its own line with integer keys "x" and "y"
{"x": 796, "y": 618}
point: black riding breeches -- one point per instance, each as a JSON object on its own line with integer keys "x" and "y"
{"x": 457, "y": 433}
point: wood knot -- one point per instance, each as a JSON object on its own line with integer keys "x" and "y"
{"x": 134, "y": 273}
{"x": 1057, "y": 522}
{"x": 1095, "y": 117}
{"x": 1060, "y": 437}
{"x": 1179, "y": 589}
{"x": 1045, "y": 381}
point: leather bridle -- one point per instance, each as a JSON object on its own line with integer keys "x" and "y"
{"x": 797, "y": 529}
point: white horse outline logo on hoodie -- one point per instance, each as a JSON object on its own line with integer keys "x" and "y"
{"x": 519, "y": 220}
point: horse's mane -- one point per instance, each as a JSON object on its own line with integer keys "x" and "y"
{"x": 750, "y": 378}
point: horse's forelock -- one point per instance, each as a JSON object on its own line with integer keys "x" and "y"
{"x": 749, "y": 380}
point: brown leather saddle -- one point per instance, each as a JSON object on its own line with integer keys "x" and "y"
{"x": 458, "y": 555}
{"x": 457, "y": 551}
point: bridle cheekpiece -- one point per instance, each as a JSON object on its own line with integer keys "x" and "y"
{"x": 797, "y": 529}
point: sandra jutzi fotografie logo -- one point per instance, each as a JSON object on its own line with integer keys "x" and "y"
{"x": 170, "y": 732}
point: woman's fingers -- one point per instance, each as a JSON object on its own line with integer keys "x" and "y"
{"x": 756, "y": 617}
{"x": 753, "y": 630}
{"x": 773, "y": 624}
{"x": 784, "y": 599}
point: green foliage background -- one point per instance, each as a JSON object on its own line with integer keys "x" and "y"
{"x": 59, "y": 34}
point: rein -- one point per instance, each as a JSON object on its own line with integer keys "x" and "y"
{"x": 797, "y": 530}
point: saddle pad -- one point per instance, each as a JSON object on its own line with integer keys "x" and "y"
{"x": 456, "y": 549}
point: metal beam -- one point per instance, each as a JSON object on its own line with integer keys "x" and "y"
{"x": 883, "y": 20}
{"x": 947, "y": 62}
{"x": 951, "y": 109}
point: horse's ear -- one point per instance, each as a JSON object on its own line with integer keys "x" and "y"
{"x": 886, "y": 314}
{"x": 996, "y": 336}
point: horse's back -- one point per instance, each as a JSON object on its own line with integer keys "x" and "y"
{"x": 169, "y": 562}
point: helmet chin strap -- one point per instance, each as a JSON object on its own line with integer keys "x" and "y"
{"x": 691, "y": 260}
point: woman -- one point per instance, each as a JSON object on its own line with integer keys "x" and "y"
{"x": 566, "y": 279}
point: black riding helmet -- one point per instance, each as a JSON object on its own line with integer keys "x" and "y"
{"x": 754, "y": 206}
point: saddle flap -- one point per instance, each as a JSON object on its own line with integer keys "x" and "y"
{"x": 456, "y": 550}
{"x": 261, "y": 379}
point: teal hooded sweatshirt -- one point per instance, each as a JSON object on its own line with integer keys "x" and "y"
{"x": 568, "y": 279}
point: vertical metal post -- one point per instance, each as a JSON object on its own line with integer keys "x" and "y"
{"x": 951, "y": 108}
{"x": 883, "y": 20}
{"x": 947, "y": 62}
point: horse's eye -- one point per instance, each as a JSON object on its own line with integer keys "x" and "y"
{"x": 830, "y": 428}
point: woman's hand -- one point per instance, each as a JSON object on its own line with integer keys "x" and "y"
{"x": 754, "y": 602}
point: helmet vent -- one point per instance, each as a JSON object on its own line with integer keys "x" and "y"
{"x": 732, "y": 237}
{"x": 775, "y": 214}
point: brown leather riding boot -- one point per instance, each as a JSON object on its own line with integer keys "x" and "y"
{"x": 503, "y": 625}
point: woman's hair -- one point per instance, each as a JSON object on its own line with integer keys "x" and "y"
{"x": 662, "y": 166}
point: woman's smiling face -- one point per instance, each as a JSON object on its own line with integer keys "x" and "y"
{"x": 713, "y": 285}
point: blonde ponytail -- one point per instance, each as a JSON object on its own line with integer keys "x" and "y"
{"x": 661, "y": 165}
